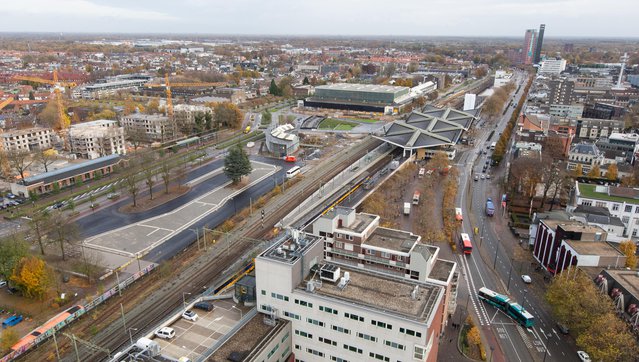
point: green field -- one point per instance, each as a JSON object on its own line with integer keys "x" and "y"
{"x": 336, "y": 124}
{"x": 364, "y": 120}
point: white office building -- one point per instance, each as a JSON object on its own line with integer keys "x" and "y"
{"x": 502, "y": 78}
{"x": 344, "y": 313}
{"x": 97, "y": 139}
{"x": 552, "y": 66}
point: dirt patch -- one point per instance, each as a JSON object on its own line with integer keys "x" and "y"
{"x": 148, "y": 204}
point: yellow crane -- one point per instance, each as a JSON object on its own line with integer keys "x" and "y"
{"x": 64, "y": 120}
{"x": 167, "y": 85}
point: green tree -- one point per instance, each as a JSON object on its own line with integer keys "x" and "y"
{"x": 8, "y": 339}
{"x": 273, "y": 89}
{"x": 608, "y": 339}
{"x": 79, "y": 181}
{"x": 237, "y": 164}
{"x": 56, "y": 187}
{"x": 473, "y": 336}
{"x": 266, "y": 117}
{"x": 12, "y": 249}
{"x": 579, "y": 170}
{"x": 32, "y": 277}
{"x": 629, "y": 249}
{"x": 208, "y": 121}
{"x": 199, "y": 122}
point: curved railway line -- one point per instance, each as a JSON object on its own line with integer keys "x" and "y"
{"x": 207, "y": 269}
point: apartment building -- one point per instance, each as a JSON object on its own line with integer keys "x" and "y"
{"x": 621, "y": 202}
{"x": 28, "y": 140}
{"x": 552, "y": 66}
{"x": 185, "y": 116}
{"x": 149, "y": 127}
{"x": 623, "y": 144}
{"x": 97, "y": 139}
{"x": 593, "y": 129}
{"x": 344, "y": 313}
{"x": 111, "y": 86}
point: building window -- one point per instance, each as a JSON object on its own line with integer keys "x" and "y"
{"x": 303, "y": 334}
{"x": 419, "y": 353}
{"x": 340, "y": 329}
{"x": 386, "y": 255}
{"x": 379, "y": 357}
{"x": 353, "y": 349}
{"x": 303, "y": 303}
{"x": 400, "y": 258}
{"x": 395, "y": 345}
{"x": 279, "y": 296}
{"x": 354, "y": 317}
{"x": 600, "y": 204}
{"x": 615, "y": 207}
{"x": 338, "y": 359}
{"x": 381, "y": 324}
{"x": 327, "y": 341}
{"x": 339, "y": 245}
{"x": 628, "y": 208}
{"x": 625, "y": 220}
{"x": 266, "y": 308}
{"x": 292, "y": 315}
{"x": 263, "y": 292}
{"x": 586, "y": 203}
{"x": 314, "y": 352}
{"x": 367, "y": 337}
{"x": 370, "y": 252}
{"x": 315, "y": 322}
{"x": 637, "y": 210}
{"x": 634, "y": 232}
{"x": 328, "y": 310}
{"x": 410, "y": 332}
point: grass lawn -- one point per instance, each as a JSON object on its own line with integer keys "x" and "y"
{"x": 336, "y": 124}
{"x": 364, "y": 120}
{"x": 588, "y": 191}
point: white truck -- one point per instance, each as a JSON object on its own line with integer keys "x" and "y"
{"x": 407, "y": 208}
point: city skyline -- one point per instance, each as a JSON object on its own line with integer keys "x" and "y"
{"x": 491, "y": 18}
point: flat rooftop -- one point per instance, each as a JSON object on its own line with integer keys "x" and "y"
{"x": 609, "y": 193}
{"x": 441, "y": 270}
{"x": 361, "y": 222}
{"x": 246, "y": 339}
{"x": 375, "y": 290}
{"x": 628, "y": 278}
{"x": 392, "y": 239}
{"x": 593, "y": 248}
{"x": 289, "y": 247}
{"x": 373, "y": 88}
{"x": 574, "y": 226}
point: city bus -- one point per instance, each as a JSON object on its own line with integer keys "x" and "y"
{"x": 511, "y": 308}
{"x": 466, "y": 244}
{"x": 293, "y": 171}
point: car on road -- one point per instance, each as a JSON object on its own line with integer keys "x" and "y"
{"x": 113, "y": 195}
{"x": 483, "y": 176}
{"x": 190, "y": 315}
{"x": 483, "y": 170}
{"x": 583, "y": 356}
{"x": 11, "y": 196}
{"x": 526, "y": 278}
{"x": 562, "y": 328}
{"x": 488, "y": 176}
{"x": 165, "y": 333}
{"x": 58, "y": 205}
{"x": 3, "y": 283}
{"x": 476, "y": 177}
{"x": 204, "y": 306}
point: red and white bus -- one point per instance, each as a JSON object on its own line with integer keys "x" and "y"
{"x": 466, "y": 244}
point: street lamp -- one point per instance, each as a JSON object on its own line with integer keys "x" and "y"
{"x": 239, "y": 310}
{"x": 509, "y": 274}
{"x": 184, "y": 299}
{"x": 130, "y": 334}
{"x": 197, "y": 235}
{"x": 523, "y": 302}
{"x": 492, "y": 349}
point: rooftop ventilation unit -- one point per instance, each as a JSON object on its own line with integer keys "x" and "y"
{"x": 330, "y": 272}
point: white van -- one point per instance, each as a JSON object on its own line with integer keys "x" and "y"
{"x": 165, "y": 333}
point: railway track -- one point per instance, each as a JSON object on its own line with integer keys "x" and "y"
{"x": 207, "y": 268}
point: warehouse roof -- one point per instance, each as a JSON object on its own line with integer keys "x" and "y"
{"x": 373, "y": 88}
{"x": 73, "y": 170}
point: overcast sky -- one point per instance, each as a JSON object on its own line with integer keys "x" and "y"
{"x": 592, "y": 18}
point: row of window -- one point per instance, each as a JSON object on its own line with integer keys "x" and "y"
{"x": 419, "y": 352}
{"x": 279, "y": 296}
{"x": 383, "y": 254}
{"x": 381, "y": 324}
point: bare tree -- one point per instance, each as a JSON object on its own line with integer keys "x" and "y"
{"x": 19, "y": 161}
{"x": 149, "y": 177}
{"x": 63, "y": 231}
{"x": 131, "y": 186}
{"x": 165, "y": 171}
{"x": 136, "y": 136}
{"x": 45, "y": 158}
{"x": 40, "y": 224}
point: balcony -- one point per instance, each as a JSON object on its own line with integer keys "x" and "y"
{"x": 372, "y": 259}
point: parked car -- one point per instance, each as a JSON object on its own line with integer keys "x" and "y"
{"x": 113, "y": 195}
{"x": 12, "y": 321}
{"x": 3, "y": 283}
{"x": 526, "y": 278}
{"x": 190, "y": 315}
{"x": 58, "y": 205}
{"x": 562, "y": 328}
{"x": 165, "y": 332}
{"x": 483, "y": 176}
{"x": 204, "y": 306}
{"x": 488, "y": 176}
{"x": 11, "y": 196}
{"x": 476, "y": 177}
{"x": 583, "y": 356}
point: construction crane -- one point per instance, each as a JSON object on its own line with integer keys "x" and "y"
{"x": 58, "y": 85}
{"x": 167, "y": 85}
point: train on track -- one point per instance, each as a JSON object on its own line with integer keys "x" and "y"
{"x": 48, "y": 328}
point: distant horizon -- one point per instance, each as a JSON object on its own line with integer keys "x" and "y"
{"x": 591, "y": 19}
{"x": 320, "y": 36}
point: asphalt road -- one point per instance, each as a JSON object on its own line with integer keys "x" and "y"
{"x": 490, "y": 265}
